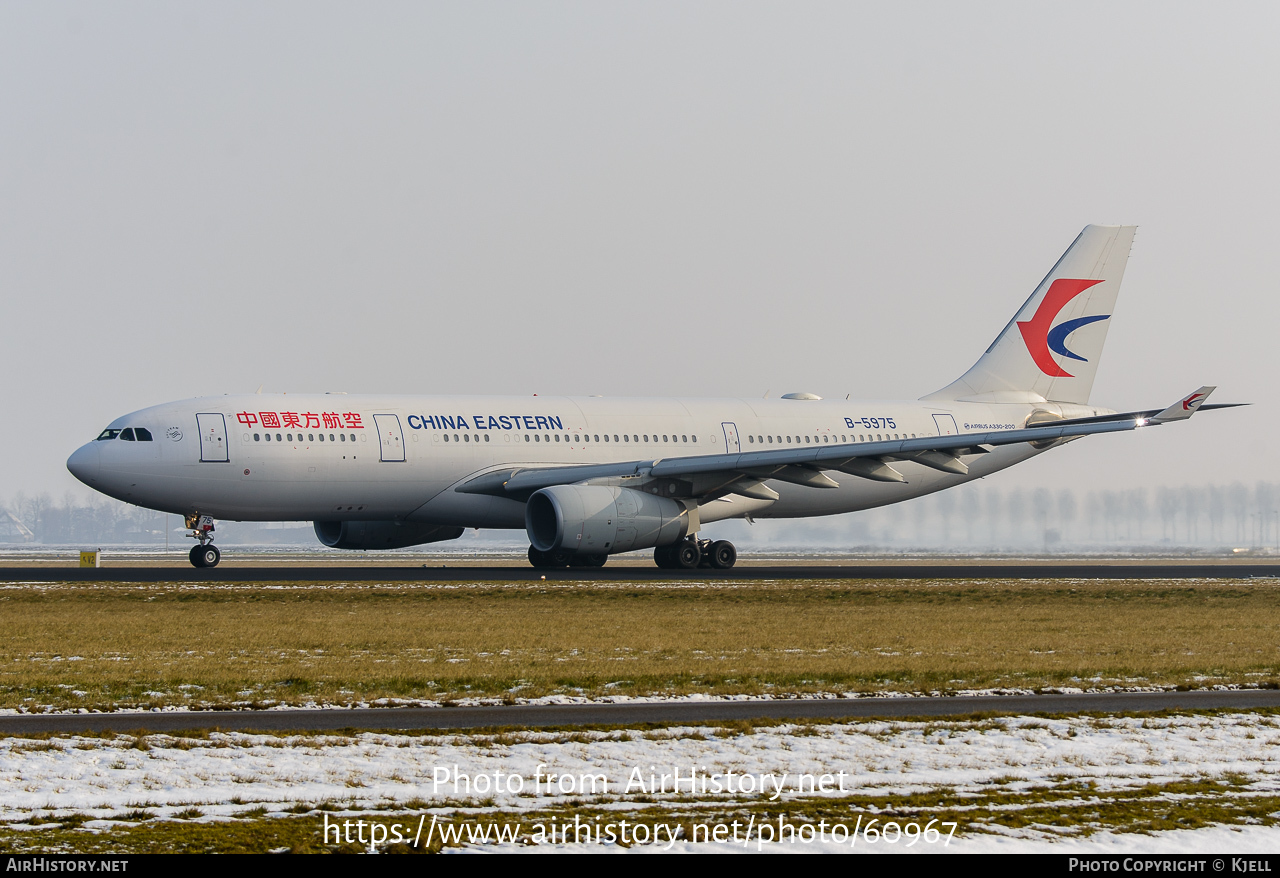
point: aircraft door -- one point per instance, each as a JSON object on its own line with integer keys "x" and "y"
{"x": 213, "y": 438}
{"x": 731, "y": 443}
{"x": 946, "y": 425}
{"x": 390, "y": 437}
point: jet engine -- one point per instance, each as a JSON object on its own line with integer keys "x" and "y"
{"x": 381, "y": 534}
{"x": 603, "y": 520}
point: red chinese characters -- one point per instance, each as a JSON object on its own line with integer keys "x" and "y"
{"x": 302, "y": 420}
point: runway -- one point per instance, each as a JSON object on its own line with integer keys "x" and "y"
{"x": 951, "y": 569}
{"x": 561, "y": 715}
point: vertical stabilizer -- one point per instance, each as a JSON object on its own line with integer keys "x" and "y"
{"x": 1051, "y": 348}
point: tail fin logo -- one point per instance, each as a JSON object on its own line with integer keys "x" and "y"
{"x": 1042, "y": 337}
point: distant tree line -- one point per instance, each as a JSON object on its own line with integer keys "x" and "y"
{"x": 984, "y": 516}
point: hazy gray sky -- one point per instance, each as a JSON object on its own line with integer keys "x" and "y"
{"x": 630, "y": 199}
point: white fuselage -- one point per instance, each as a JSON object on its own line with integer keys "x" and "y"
{"x": 328, "y": 457}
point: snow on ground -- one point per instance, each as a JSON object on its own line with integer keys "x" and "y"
{"x": 104, "y": 776}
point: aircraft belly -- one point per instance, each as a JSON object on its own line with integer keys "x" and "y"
{"x": 471, "y": 510}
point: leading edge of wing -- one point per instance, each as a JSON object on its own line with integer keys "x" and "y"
{"x": 521, "y": 480}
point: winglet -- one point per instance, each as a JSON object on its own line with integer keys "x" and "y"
{"x": 1183, "y": 408}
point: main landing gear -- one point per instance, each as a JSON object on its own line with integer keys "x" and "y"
{"x": 691, "y": 553}
{"x": 205, "y": 554}
{"x": 551, "y": 560}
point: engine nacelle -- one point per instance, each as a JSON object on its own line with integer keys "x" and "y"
{"x": 381, "y": 534}
{"x": 602, "y": 520}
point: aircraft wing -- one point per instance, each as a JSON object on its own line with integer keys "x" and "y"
{"x": 744, "y": 472}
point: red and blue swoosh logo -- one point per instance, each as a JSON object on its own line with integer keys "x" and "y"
{"x": 1043, "y": 339}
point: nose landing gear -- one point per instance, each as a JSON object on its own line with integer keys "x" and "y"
{"x": 205, "y": 554}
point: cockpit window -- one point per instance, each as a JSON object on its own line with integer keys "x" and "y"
{"x": 108, "y": 434}
{"x": 127, "y": 434}
{"x": 143, "y": 434}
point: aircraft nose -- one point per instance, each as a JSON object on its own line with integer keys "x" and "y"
{"x": 84, "y": 464}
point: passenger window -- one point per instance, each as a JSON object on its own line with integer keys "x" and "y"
{"x": 577, "y": 439}
{"x": 826, "y": 440}
{"x": 268, "y": 437}
{"x": 466, "y": 437}
{"x": 278, "y": 439}
{"x": 597, "y": 436}
{"x": 695, "y": 438}
{"x": 646, "y": 437}
{"x": 770, "y": 440}
{"x": 289, "y": 437}
{"x": 321, "y": 437}
{"x": 107, "y": 434}
{"x": 626, "y": 437}
{"x": 526, "y": 437}
{"x": 257, "y": 437}
{"x": 557, "y": 437}
{"x": 664, "y": 438}
{"x": 684, "y": 438}
{"x": 537, "y": 437}
{"x": 353, "y": 439}
{"x": 606, "y": 437}
{"x": 615, "y": 437}
{"x": 751, "y": 439}
{"x": 343, "y": 436}
{"x": 486, "y": 437}
{"x": 143, "y": 434}
{"x": 446, "y": 437}
{"x": 127, "y": 434}
{"x": 788, "y": 440}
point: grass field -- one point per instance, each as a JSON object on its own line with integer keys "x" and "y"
{"x": 120, "y": 645}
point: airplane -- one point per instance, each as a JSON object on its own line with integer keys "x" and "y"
{"x": 590, "y": 477}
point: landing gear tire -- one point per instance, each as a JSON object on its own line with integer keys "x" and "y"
{"x": 662, "y": 556}
{"x": 687, "y": 555}
{"x": 539, "y": 559}
{"x": 554, "y": 559}
{"x": 205, "y": 556}
{"x": 589, "y": 560}
{"x": 723, "y": 555}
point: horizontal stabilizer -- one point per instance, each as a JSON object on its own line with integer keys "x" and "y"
{"x": 1185, "y": 407}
